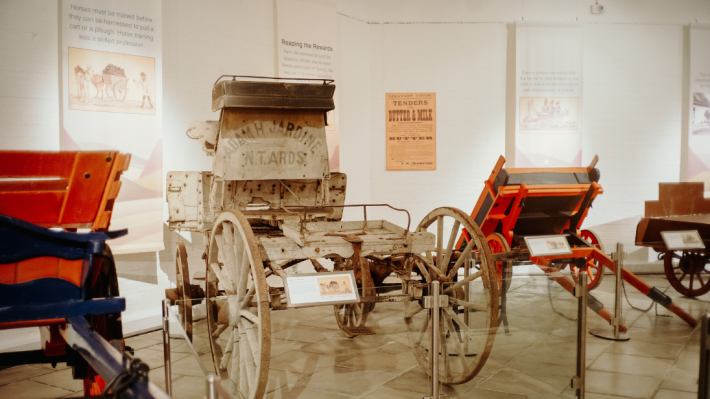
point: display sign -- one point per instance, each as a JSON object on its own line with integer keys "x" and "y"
{"x": 307, "y": 48}
{"x": 312, "y": 289}
{"x": 411, "y": 131}
{"x": 111, "y": 85}
{"x": 688, "y": 239}
{"x": 548, "y": 245}
{"x": 699, "y": 124}
{"x": 548, "y": 128}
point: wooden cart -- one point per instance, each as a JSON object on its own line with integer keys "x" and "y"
{"x": 521, "y": 202}
{"x": 680, "y": 206}
{"x": 116, "y": 86}
{"x": 270, "y": 202}
{"x": 68, "y": 190}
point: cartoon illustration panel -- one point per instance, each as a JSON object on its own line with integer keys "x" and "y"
{"x": 111, "y": 82}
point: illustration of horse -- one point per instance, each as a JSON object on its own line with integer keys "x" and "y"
{"x": 98, "y": 82}
{"x": 83, "y": 78}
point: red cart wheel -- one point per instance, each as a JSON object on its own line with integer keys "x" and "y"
{"x": 594, "y": 269}
{"x": 688, "y": 272}
{"x": 504, "y": 270}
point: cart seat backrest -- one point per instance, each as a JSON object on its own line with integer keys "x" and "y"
{"x": 506, "y": 178}
{"x": 67, "y": 189}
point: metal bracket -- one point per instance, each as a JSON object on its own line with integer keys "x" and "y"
{"x": 576, "y": 383}
{"x": 579, "y": 291}
{"x": 429, "y": 301}
{"x": 616, "y": 256}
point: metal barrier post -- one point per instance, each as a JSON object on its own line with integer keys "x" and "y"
{"x": 703, "y": 386}
{"x": 580, "y": 291}
{"x": 434, "y": 309}
{"x": 618, "y": 320}
{"x": 211, "y": 389}
{"x": 467, "y": 290}
{"x": 166, "y": 347}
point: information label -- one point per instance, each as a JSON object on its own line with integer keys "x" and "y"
{"x": 548, "y": 245}
{"x": 312, "y": 289}
{"x": 411, "y": 131}
{"x": 688, "y": 239}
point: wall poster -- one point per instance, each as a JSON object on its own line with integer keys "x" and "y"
{"x": 411, "y": 131}
{"x": 306, "y": 45}
{"x": 699, "y": 124}
{"x": 548, "y": 131}
{"x": 111, "y": 77}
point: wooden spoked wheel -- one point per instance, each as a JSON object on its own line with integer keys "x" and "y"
{"x": 182, "y": 277}
{"x": 688, "y": 272}
{"x": 504, "y": 270}
{"x": 108, "y": 326}
{"x": 352, "y": 317}
{"x": 238, "y": 315}
{"x": 464, "y": 346}
{"x": 594, "y": 269}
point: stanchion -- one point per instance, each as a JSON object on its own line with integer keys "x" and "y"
{"x": 615, "y": 334}
{"x": 434, "y": 306}
{"x": 703, "y": 377}
{"x": 580, "y": 292}
{"x": 211, "y": 388}
{"x": 166, "y": 347}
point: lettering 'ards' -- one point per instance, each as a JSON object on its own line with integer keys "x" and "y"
{"x": 411, "y": 131}
{"x": 263, "y": 144}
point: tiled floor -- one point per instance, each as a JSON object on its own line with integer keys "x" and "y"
{"x": 312, "y": 359}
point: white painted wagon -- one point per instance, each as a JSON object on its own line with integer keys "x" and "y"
{"x": 271, "y": 202}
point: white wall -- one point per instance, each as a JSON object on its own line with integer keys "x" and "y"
{"x": 465, "y": 65}
{"x": 460, "y": 49}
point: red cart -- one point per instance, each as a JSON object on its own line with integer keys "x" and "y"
{"x": 521, "y": 202}
{"x": 68, "y": 190}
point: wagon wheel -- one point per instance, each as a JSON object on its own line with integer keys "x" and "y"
{"x": 464, "y": 348}
{"x": 108, "y": 326}
{"x": 688, "y": 272}
{"x": 120, "y": 90}
{"x": 594, "y": 269}
{"x": 238, "y": 315}
{"x": 109, "y": 89}
{"x": 182, "y": 274}
{"x": 504, "y": 270}
{"x": 352, "y": 317}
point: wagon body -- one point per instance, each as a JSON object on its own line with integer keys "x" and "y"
{"x": 520, "y": 202}
{"x": 680, "y": 207}
{"x": 271, "y": 202}
{"x": 50, "y": 276}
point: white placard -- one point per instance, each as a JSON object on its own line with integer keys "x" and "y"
{"x": 312, "y": 289}
{"x": 688, "y": 239}
{"x": 548, "y": 128}
{"x": 548, "y": 245}
{"x": 111, "y": 63}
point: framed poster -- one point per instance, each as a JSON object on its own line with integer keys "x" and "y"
{"x": 411, "y": 131}
{"x": 689, "y": 239}
{"x": 313, "y": 289}
{"x": 548, "y": 245}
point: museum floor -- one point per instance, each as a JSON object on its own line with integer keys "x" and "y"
{"x": 312, "y": 359}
